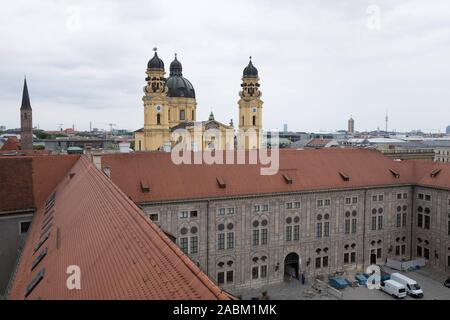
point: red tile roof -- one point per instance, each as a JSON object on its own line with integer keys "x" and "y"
{"x": 16, "y": 184}
{"x": 308, "y": 170}
{"x": 11, "y": 144}
{"x": 318, "y": 143}
{"x": 121, "y": 253}
{"x": 26, "y": 181}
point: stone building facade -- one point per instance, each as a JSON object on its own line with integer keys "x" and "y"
{"x": 251, "y": 240}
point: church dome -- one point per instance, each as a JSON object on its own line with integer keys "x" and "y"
{"x": 179, "y": 86}
{"x": 176, "y": 68}
{"x": 155, "y": 63}
{"x": 250, "y": 70}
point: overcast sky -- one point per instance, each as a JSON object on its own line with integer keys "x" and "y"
{"x": 319, "y": 61}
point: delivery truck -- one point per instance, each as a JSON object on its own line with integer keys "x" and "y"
{"x": 394, "y": 288}
{"x": 412, "y": 287}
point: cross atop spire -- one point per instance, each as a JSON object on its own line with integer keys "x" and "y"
{"x": 25, "y": 97}
{"x": 155, "y": 49}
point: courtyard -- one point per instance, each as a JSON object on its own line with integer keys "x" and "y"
{"x": 431, "y": 281}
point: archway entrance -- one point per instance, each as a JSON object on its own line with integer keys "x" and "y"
{"x": 291, "y": 265}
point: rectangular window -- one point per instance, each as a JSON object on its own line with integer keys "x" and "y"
{"x": 379, "y": 253}
{"x": 318, "y": 262}
{"x": 324, "y": 262}
{"x": 24, "y": 226}
{"x": 297, "y": 205}
{"x": 353, "y": 257}
{"x": 374, "y": 198}
{"x": 265, "y": 207}
{"x": 397, "y": 250}
{"x": 355, "y": 200}
{"x": 230, "y": 240}
{"x": 230, "y": 210}
{"x": 346, "y": 258}
{"x": 184, "y": 214}
{"x": 347, "y": 226}
{"x": 374, "y": 223}
{"x": 419, "y": 251}
{"x": 448, "y": 261}
{"x": 420, "y": 220}
{"x": 221, "y": 211}
{"x": 255, "y": 238}
{"x": 296, "y": 233}
{"x": 263, "y": 271}
{"x": 448, "y": 227}
{"x": 289, "y": 205}
{"x": 327, "y": 202}
{"x": 380, "y": 222}
{"x": 427, "y": 222}
{"x": 427, "y": 197}
{"x": 194, "y": 214}
{"x": 220, "y": 278}
{"x": 221, "y": 241}
{"x": 404, "y": 219}
{"x": 154, "y": 217}
{"x": 399, "y": 220}
{"x": 184, "y": 244}
{"x": 399, "y": 195}
{"x": 319, "y": 230}
{"x": 288, "y": 233}
{"x": 380, "y": 197}
{"x": 319, "y": 203}
{"x": 348, "y": 200}
{"x": 405, "y": 196}
{"x": 256, "y": 208}
{"x": 263, "y": 236}
{"x": 426, "y": 253}
{"x": 403, "y": 249}
{"x": 182, "y": 115}
{"x": 255, "y": 273}
{"x": 194, "y": 245}
{"x": 420, "y": 196}
{"x": 354, "y": 225}
{"x": 326, "y": 229}
{"x": 230, "y": 276}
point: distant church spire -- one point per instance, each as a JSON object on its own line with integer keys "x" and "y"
{"x": 25, "y": 97}
{"x": 26, "y": 120}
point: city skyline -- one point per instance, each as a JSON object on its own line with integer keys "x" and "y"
{"x": 319, "y": 64}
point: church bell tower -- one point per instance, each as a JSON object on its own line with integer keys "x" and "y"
{"x": 250, "y": 110}
{"x": 156, "y": 133}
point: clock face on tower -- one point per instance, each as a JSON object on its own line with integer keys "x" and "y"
{"x": 158, "y": 108}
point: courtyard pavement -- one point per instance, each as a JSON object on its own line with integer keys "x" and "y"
{"x": 430, "y": 280}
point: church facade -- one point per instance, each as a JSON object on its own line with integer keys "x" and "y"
{"x": 170, "y": 107}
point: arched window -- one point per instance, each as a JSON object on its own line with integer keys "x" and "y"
{"x": 254, "y": 120}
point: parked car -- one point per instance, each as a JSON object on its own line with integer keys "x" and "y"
{"x": 447, "y": 283}
{"x": 393, "y": 288}
{"x": 412, "y": 287}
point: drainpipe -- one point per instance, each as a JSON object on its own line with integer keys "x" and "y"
{"x": 207, "y": 237}
{"x": 412, "y": 222}
{"x": 364, "y": 228}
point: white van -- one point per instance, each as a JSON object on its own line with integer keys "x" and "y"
{"x": 412, "y": 287}
{"x": 394, "y": 288}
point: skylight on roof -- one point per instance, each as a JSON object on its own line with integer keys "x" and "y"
{"x": 344, "y": 176}
{"x": 435, "y": 172}
{"x": 222, "y": 184}
{"x": 35, "y": 282}
{"x": 395, "y": 173}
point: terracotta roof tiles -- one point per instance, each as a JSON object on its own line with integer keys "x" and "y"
{"x": 121, "y": 253}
